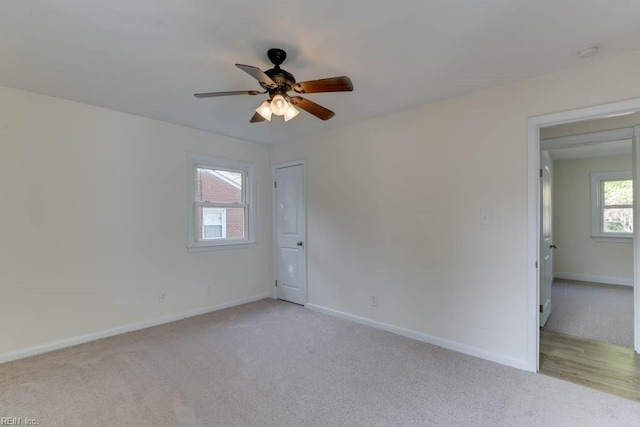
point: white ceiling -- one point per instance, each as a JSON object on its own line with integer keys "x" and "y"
{"x": 148, "y": 57}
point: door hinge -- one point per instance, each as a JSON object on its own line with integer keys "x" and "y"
{"x": 540, "y": 173}
{"x": 541, "y": 308}
{"x": 536, "y": 264}
{"x": 276, "y": 283}
{"x": 275, "y": 184}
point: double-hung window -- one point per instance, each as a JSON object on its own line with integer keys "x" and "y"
{"x": 221, "y": 202}
{"x": 612, "y": 205}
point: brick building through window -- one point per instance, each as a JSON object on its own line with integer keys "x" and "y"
{"x": 219, "y": 186}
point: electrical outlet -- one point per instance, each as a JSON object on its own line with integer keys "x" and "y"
{"x": 208, "y": 289}
{"x": 374, "y": 300}
{"x": 485, "y": 219}
{"x": 163, "y": 296}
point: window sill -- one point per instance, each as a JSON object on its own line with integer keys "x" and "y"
{"x": 221, "y": 246}
{"x": 618, "y": 239}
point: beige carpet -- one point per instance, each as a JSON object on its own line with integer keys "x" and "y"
{"x": 593, "y": 311}
{"x": 276, "y": 364}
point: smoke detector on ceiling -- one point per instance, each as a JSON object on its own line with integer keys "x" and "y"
{"x": 588, "y": 52}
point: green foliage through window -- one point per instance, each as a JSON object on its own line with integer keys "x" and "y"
{"x": 617, "y": 208}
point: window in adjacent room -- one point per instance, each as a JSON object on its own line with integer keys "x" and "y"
{"x": 612, "y": 205}
{"x": 221, "y": 202}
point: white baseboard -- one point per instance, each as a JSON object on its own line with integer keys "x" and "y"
{"x": 596, "y": 279}
{"x": 440, "y": 342}
{"x": 69, "y": 342}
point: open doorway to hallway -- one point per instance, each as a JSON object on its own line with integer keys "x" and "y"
{"x": 587, "y": 254}
{"x": 590, "y": 216}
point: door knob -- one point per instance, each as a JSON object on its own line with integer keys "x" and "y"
{"x": 553, "y": 246}
{"x": 299, "y": 243}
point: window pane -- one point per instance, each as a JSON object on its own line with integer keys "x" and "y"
{"x": 235, "y": 223}
{"x": 212, "y": 216}
{"x": 216, "y": 185}
{"x": 619, "y": 192}
{"x": 220, "y": 223}
{"x": 212, "y": 223}
{"x": 617, "y": 220}
{"x": 212, "y": 231}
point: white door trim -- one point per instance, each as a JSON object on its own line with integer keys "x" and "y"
{"x": 533, "y": 221}
{"x": 636, "y": 238}
{"x": 274, "y": 237}
{"x": 587, "y": 138}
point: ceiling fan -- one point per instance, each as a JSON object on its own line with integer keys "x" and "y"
{"x": 277, "y": 82}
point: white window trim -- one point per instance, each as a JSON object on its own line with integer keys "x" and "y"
{"x": 596, "y": 207}
{"x": 201, "y": 160}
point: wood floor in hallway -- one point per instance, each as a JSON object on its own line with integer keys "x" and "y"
{"x": 606, "y": 367}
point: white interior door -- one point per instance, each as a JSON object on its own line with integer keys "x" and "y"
{"x": 546, "y": 237}
{"x": 291, "y": 284}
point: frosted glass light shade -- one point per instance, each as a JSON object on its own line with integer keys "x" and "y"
{"x": 264, "y": 110}
{"x": 290, "y": 112}
{"x": 279, "y": 105}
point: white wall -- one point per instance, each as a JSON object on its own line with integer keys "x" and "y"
{"x": 93, "y": 221}
{"x": 395, "y": 207}
{"x": 578, "y": 254}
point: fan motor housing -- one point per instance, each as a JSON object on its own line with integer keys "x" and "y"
{"x": 282, "y": 78}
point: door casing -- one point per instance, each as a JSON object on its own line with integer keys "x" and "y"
{"x": 533, "y": 214}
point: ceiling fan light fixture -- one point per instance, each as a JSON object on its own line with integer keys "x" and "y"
{"x": 279, "y": 105}
{"x": 277, "y": 83}
{"x": 265, "y": 110}
{"x": 290, "y": 112}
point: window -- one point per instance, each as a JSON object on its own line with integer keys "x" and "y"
{"x": 221, "y": 203}
{"x": 612, "y": 205}
{"x": 214, "y": 223}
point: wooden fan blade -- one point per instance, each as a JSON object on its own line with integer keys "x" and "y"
{"x": 311, "y": 107}
{"x": 256, "y": 118}
{"x": 333, "y": 84}
{"x": 233, "y": 92}
{"x": 259, "y": 75}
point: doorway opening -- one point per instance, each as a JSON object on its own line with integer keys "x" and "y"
{"x": 605, "y": 139}
{"x": 586, "y": 223}
{"x": 534, "y": 149}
